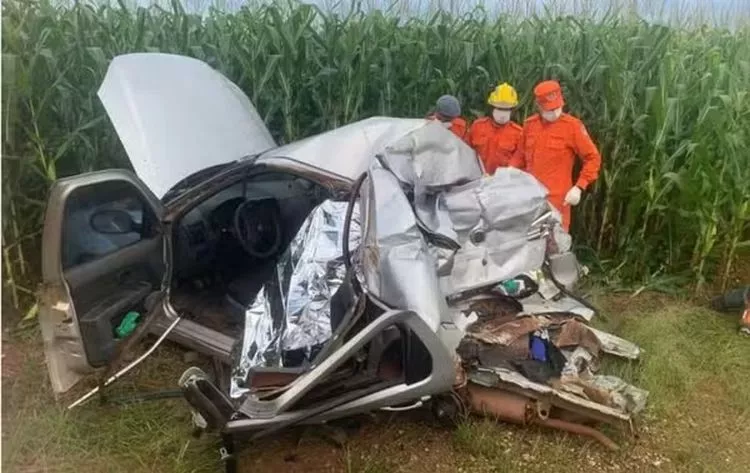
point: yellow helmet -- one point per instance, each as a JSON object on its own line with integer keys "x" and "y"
{"x": 504, "y": 96}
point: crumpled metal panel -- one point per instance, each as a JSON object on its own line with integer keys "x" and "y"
{"x": 622, "y": 395}
{"x": 494, "y": 218}
{"x": 617, "y": 346}
{"x": 431, "y": 159}
{"x": 496, "y": 225}
{"x": 293, "y": 310}
{"x": 347, "y": 151}
{"x": 580, "y": 362}
{"x": 616, "y": 397}
{"x": 399, "y": 267}
{"x": 625, "y": 396}
{"x": 433, "y": 215}
{"x": 536, "y": 304}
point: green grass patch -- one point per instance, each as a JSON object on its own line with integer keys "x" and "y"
{"x": 694, "y": 364}
{"x": 696, "y": 368}
{"x": 41, "y": 435}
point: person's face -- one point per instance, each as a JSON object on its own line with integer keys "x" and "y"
{"x": 550, "y": 115}
{"x": 501, "y": 116}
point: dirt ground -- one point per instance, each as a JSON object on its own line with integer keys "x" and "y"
{"x": 695, "y": 366}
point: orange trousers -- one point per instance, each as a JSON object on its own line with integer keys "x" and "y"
{"x": 558, "y": 201}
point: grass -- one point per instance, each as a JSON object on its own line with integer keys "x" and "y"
{"x": 698, "y": 418}
{"x": 667, "y": 105}
{"x": 40, "y": 435}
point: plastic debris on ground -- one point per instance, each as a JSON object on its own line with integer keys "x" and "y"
{"x": 553, "y": 357}
{"x": 128, "y": 324}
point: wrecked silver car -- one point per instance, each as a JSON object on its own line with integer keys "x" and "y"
{"x": 371, "y": 267}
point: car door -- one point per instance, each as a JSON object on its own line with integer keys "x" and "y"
{"x": 102, "y": 255}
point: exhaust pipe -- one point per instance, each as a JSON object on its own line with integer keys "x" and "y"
{"x": 517, "y": 409}
{"x": 501, "y": 405}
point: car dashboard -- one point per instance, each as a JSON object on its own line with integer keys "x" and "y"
{"x": 206, "y": 231}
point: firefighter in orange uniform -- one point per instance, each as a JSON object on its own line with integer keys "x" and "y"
{"x": 550, "y": 142}
{"x": 496, "y": 138}
{"x": 448, "y": 112}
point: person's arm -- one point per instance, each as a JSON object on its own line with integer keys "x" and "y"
{"x": 466, "y": 138}
{"x": 469, "y": 139}
{"x": 461, "y": 129}
{"x": 469, "y": 135}
{"x": 586, "y": 150}
{"x": 518, "y": 160}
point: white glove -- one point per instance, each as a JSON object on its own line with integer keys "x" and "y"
{"x": 573, "y": 197}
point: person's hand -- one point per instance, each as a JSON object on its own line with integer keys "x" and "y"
{"x": 573, "y": 197}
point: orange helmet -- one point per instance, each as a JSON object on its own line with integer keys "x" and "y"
{"x": 548, "y": 95}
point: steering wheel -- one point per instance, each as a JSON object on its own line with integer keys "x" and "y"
{"x": 257, "y": 226}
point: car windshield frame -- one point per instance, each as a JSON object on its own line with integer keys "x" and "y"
{"x": 194, "y": 180}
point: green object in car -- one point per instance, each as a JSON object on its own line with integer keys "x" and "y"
{"x": 128, "y": 324}
{"x": 511, "y": 287}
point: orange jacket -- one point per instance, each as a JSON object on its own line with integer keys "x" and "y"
{"x": 458, "y": 126}
{"x": 548, "y": 151}
{"x": 495, "y": 144}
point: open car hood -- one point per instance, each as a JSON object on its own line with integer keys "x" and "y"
{"x": 176, "y": 115}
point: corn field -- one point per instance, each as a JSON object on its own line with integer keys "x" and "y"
{"x": 668, "y": 107}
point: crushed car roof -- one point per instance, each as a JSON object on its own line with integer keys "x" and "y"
{"x": 349, "y": 150}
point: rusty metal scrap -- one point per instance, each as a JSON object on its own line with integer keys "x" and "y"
{"x": 577, "y": 334}
{"x": 494, "y": 346}
{"x": 518, "y": 409}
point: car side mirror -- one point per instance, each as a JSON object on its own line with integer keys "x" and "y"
{"x": 113, "y": 222}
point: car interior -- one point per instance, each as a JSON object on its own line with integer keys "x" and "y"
{"x": 227, "y": 248}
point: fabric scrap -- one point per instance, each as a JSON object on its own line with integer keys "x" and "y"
{"x": 625, "y": 397}
{"x": 617, "y": 346}
{"x": 494, "y": 308}
{"x": 592, "y": 392}
{"x": 505, "y": 333}
{"x": 574, "y": 334}
{"x": 535, "y": 370}
{"x": 475, "y": 352}
{"x": 580, "y": 362}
